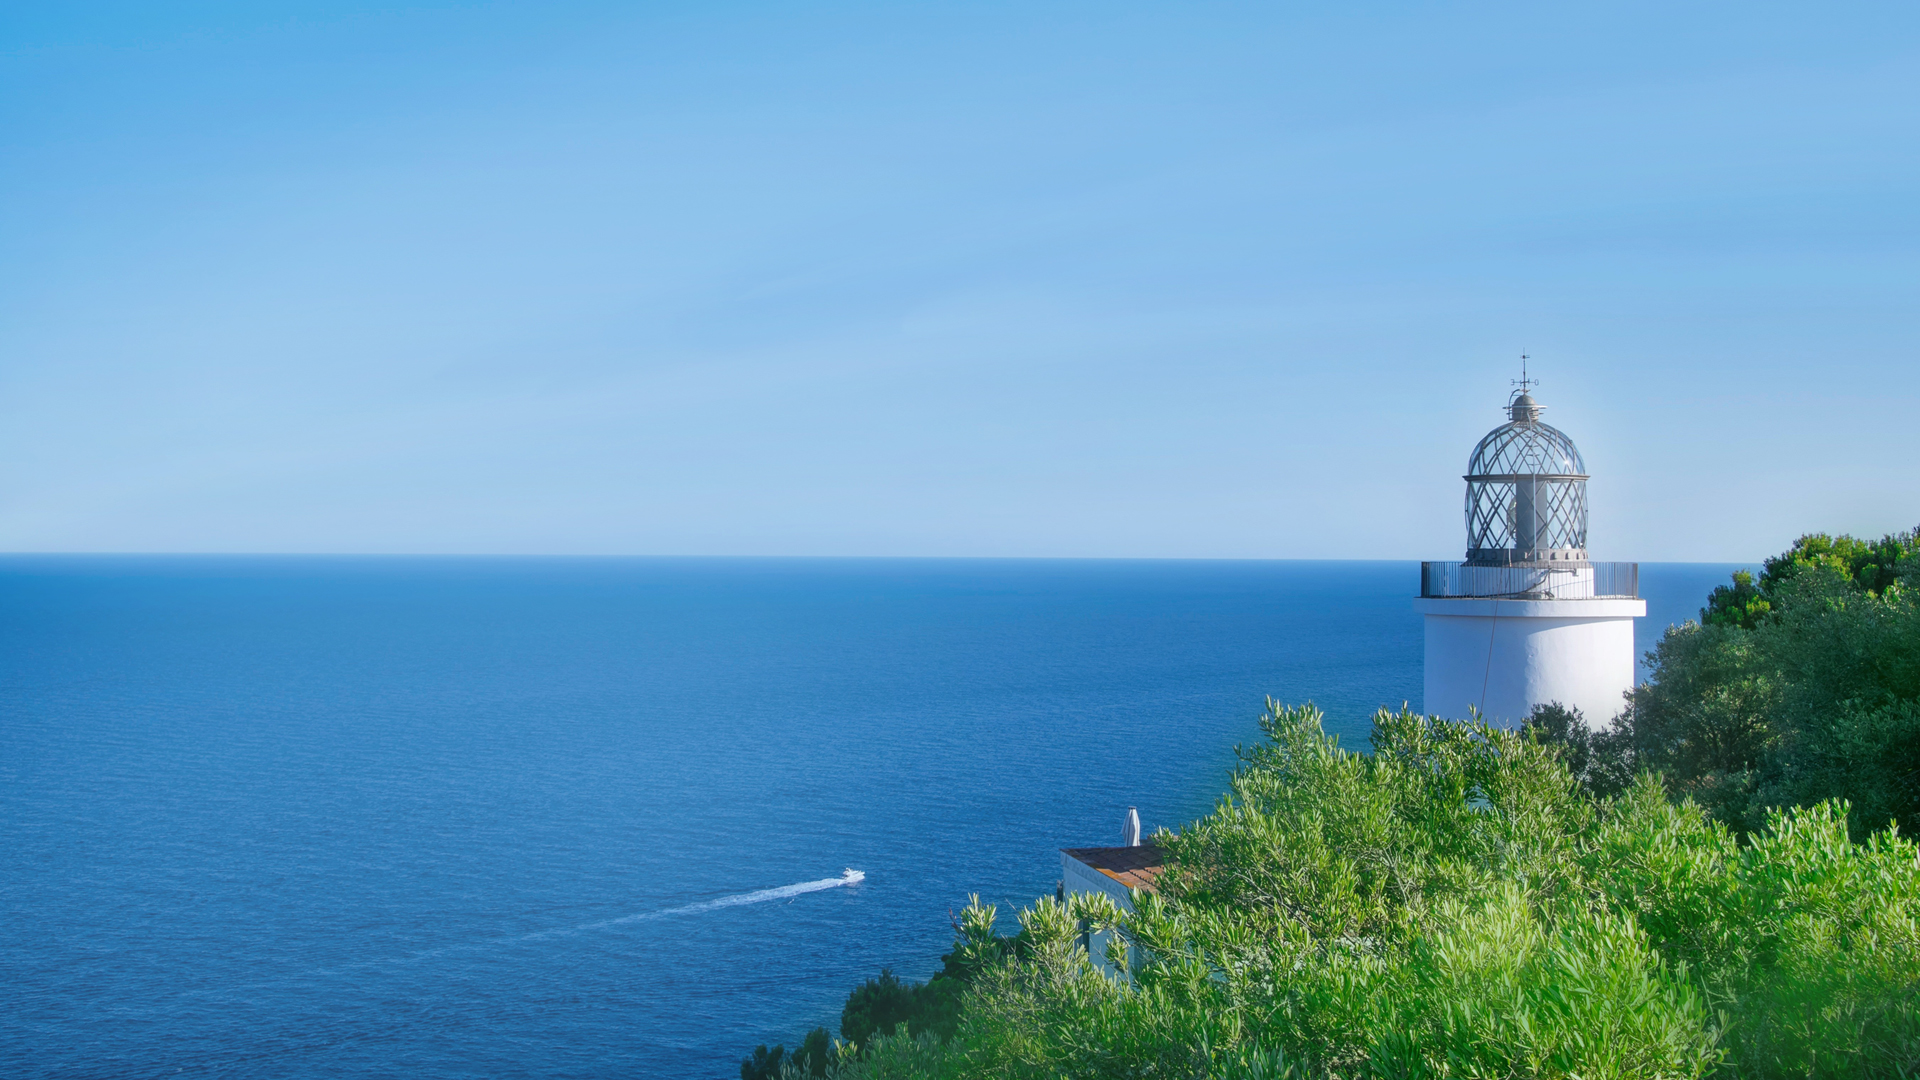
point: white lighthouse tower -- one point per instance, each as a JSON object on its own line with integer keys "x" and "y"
{"x": 1527, "y": 619}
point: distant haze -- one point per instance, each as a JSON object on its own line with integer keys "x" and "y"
{"x": 1024, "y": 279}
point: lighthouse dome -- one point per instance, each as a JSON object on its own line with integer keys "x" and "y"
{"x": 1526, "y": 447}
{"x": 1526, "y": 493}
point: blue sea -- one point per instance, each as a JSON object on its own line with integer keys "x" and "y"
{"x": 458, "y": 817}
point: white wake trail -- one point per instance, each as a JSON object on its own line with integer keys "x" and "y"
{"x": 851, "y": 877}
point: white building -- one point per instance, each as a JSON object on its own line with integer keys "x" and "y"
{"x": 1527, "y": 619}
{"x": 1111, "y": 872}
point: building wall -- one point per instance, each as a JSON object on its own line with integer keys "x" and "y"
{"x": 1506, "y": 656}
{"x": 1078, "y": 877}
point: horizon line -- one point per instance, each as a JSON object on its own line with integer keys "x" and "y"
{"x": 586, "y": 556}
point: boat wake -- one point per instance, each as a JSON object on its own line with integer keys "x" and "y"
{"x": 784, "y": 892}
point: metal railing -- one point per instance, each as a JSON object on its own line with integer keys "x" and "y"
{"x": 1574, "y": 581}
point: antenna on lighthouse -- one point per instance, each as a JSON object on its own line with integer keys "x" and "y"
{"x": 1524, "y": 382}
{"x": 1520, "y": 404}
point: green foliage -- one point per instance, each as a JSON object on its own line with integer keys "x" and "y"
{"x": 881, "y": 1005}
{"x": 1740, "y": 604}
{"x": 816, "y": 1057}
{"x": 1502, "y": 992}
{"x": 1801, "y": 686}
{"x": 885, "y": 1006}
{"x": 1454, "y": 904}
{"x": 1870, "y": 566}
{"x": 1807, "y": 943}
{"x": 764, "y": 1064}
{"x": 1599, "y": 761}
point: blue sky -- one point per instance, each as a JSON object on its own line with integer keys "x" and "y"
{"x": 1028, "y": 279}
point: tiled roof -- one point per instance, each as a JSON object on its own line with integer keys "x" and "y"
{"x": 1135, "y": 867}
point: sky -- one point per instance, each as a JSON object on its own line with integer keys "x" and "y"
{"x": 1030, "y": 279}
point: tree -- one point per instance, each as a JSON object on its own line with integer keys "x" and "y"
{"x": 879, "y": 1006}
{"x": 815, "y": 1055}
{"x": 764, "y": 1064}
{"x": 1874, "y": 567}
{"x": 1600, "y": 761}
{"x": 1797, "y": 686}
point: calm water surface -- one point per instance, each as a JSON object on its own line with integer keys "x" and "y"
{"x": 470, "y": 817}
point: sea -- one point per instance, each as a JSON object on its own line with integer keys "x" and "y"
{"x": 478, "y": 817}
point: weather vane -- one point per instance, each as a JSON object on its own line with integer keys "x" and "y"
{"x": 1523, "y": 382}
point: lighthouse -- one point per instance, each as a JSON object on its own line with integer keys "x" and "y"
{"x": 1527, "y": 619}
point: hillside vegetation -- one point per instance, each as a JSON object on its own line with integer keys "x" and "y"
{"x": 1797, "y": 686}
{"x": 1717, "y": 885}
{"x": 1453, "y": 904}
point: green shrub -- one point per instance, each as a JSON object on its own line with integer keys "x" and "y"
{"x": 1798, "y": 686}
{"x": 816, "y": 1057}
{"x": 1454, "y": 904}
{"x": 881, "y": 1005}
